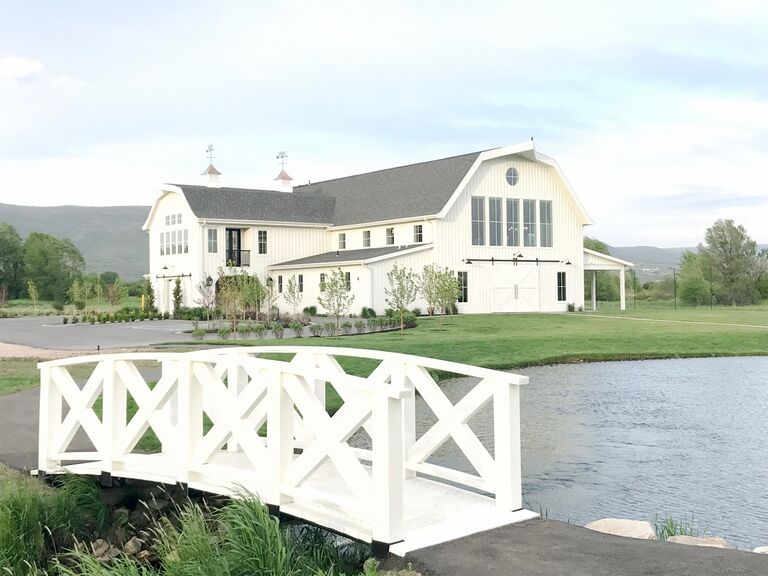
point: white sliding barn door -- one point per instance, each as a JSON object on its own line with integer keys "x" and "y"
{"x": 515, "y": 288}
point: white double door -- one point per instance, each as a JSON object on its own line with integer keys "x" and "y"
{"x": 515, "y": 288}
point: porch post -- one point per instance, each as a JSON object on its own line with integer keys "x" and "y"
{"x": 594, "y": 290}
{"x": 622, "y": 296}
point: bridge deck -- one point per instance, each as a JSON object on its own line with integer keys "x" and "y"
{"x": 434, "y": 512}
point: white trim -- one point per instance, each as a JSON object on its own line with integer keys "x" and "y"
{"x": 225, "y": 221}
{"x": 165, "y": 189}
{"x": 363, "y": 262}
{"x": 613, "y": 259}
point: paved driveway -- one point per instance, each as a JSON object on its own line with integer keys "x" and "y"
{"x": 50, "y": 332}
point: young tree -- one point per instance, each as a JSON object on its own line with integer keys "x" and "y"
{"x": 3, "y": 295}
{"x": 149, "y": 296}
{"x": 76, "y": 294}
{"x": 177, "y": 298}
{"x": 402, "y": 291}
{"x": 292, "y": 295}
{"x": 206, "y": 296}
{"x": 447, "y": 290}
{"x": 33, "y": 294}
{"x": 270, "y": 298}
{"x": 255, "y": 293}
{"x": 117, "y": 291}
{"x": 429, "y": 287}
{"x": 335, "y": 297}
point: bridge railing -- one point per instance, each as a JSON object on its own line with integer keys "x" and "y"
{"x": 233, "y": 416}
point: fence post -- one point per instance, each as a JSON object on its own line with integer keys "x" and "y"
{"x": 237, "y": 378}
{"x": 506, "y": 424}
{"x": 388, "y": 467}
{"x": 114, "y": 413}
{"x": 279, "y": 435}
{"x": 399, "y": 380}
{"x": 50, "y": 418}
{"x": 190, "y": 418}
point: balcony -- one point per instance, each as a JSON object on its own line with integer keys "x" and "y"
{"x": 238, "y": 258}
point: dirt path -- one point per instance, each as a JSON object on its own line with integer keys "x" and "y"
{"x": 18, "y": 351}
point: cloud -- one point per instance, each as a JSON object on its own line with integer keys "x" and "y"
{"x": 19, "y": 69}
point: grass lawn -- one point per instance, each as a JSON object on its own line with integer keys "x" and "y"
{"x": 24, "y": 307}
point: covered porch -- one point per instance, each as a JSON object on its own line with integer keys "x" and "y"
{"x": 595, "y": 262}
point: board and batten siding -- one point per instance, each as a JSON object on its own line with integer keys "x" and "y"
{"x": 487, "y": 282}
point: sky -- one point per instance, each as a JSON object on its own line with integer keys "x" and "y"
{"x": 657, "y": 112}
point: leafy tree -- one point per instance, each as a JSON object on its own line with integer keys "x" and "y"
{"x": 117, "y": 291}
{"x": 52, "y": 264}
{"x": 402, "y": 291}
{"x": 107, "y": 278}
{"x": 270, "y": 298}
{"x": 692, "y": 286}
{"x": 732, "y": 257}
{"x": 334, "y": 296}
{"x": 292, "y": 295}
{"x": 77, "y": 294}
{"x": 206, "y": 296}
{"x": 447, "y": 290}
{"x": 429, "y": 287}
{"x": 255, "y": 295}
{"x": 607, "y": 283}
{"x": 149, "y": 296}
{"x": 177, "y": 298}
{"x": 33, "y": 293}
{"x": 11, "y": 260}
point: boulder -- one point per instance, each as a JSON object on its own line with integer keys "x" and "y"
{"x": 761, "y": 550}
{"x": 133, "y": 546}
{"x": 711, "y": 541}
{"x": 620, "y": 527}
{"x": 99, "y": 547}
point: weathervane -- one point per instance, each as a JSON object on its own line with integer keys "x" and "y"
{"x": 209, "y": 151}
{"x": 281, "y": 156}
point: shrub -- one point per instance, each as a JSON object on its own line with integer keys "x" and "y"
{"x": 310, "y": 310}
{"x": 360, "y": 326}
{"x": 224, "y": 332}
{"x": 409, "y": 320}
{"x": 260, "y": 330}
{"x": 367, "y": 313}
{"x": 277, "y": 330}
{"x": 389, "y": 312}
{"x": 166, "y": 316}
{"x": 330, "y": 328}
{"x": 416, "y": 311}
{"x": 316, "y": 329}
{"x": 197, "y": 332}
{"x": 75, "y": 319}
{"x": 571, "y": 307}
{"x": 64, "y": 320}
{"x": 346, "y": 327}
{"x": 59, "y": 307}
{"x": 373, "y": 323}
{"x": 298, "y": 328}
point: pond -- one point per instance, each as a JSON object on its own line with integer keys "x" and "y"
{"x": 638, "y": 439}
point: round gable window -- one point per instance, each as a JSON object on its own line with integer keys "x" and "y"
{"x": 512, "y": 176}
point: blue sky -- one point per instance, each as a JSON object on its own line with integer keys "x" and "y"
{"x": 656, "y": 111}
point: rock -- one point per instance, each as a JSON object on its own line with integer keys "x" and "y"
{"x": 133, "y": 546}
{"x": 761, "y": 550}
{"x": 139, "y": 519}
{"x": 621, "y": 527}
{"x": 146, "y": 556}
{"x": 111, "y": 553}
{"x": 711, "y": 541}
{"x": 99, "y": 547}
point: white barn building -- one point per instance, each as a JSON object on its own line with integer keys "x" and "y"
{"x": 505, "y": 220}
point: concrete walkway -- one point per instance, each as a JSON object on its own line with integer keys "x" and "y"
{"x": 552, "y": 548}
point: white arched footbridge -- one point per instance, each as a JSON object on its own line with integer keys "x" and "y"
{"x": 230, "y": 419}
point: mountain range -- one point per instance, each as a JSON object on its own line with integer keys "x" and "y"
{"x": 111, "y": 238}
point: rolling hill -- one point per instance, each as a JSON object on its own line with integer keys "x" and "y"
{"x": 110, "y": 238}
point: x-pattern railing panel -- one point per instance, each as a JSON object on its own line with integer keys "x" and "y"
{"x": 80, "y": 402}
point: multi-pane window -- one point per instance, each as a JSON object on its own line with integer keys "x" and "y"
{"x": 173, "y": 219}
{"x": 167, "y": 219}
{"x": 342, "y": 241}
{"x": 529, "y": 222}
{"x": 366, "y": 238}
{"x": 173, "y": 241}
{"x": 167, "y": 243}
{"x": 213, "y": 241}
{"x": 561, "y": 287}
{"x": 348, "y": 280}
{"x": 186, "y": 241}
{"x": 262, "y": 241}
{"x": 513, "y": 222}
{"x": 463, "y": 287}
{"x": 162, "y": 244}
{"x": 178, "y": 218}
{"x": 280, "y": 284}
{"x": 495, "y": 225}
{"x": 390, "y": 235}
{"x": 545, "y": 223}
{"x": 478, "y": 221}
{"x": 418, "y": 233}
{"x": 301, "y": 282}
{"x": 322, "y": 279}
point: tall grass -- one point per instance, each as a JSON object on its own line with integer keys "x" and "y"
{"x": 668, "y": 527}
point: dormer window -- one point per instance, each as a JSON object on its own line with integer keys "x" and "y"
{"x": 342, "y": 241}
{"x": 390, "y": 236}
{"x": 418, "y": 234}
{"x": 366, "y": 238}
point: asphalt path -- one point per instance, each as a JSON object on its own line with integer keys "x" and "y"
{"x": 50, "y": 332}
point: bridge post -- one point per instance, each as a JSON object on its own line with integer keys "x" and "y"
{"x": 114, "y": 414}
{"x": 50, "y": 418}
{"x": 190, "y": 418}
{"x": 388, "y": 467}
{"x": 506, "y": 424}
{"x": 237, "y": 378}
{"x": 399, "y": 379}
{"x": 279, "y": 436}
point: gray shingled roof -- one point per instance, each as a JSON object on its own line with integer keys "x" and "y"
{"x": 340, "y": 256}
{"x": 414, "y": 190}
{"x": 258, "y": 205}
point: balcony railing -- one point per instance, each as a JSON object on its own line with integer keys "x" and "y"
{"x": 238, "y": 257}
